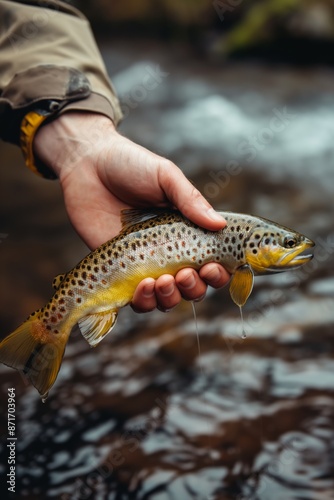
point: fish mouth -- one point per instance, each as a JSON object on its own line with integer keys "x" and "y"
{"x": 300, "y": 256}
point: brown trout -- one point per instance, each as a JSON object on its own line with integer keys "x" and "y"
{"x": 150, "y": 244}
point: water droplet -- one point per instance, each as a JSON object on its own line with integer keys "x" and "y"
{"x": 44, "y": 397}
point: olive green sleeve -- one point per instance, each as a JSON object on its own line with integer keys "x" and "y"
{"x": 49, "y": 60}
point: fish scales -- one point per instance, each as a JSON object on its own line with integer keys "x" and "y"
{"x": 150, "y": 244}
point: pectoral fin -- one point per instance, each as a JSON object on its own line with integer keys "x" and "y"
{"x": 241, "y": 285}
{"x": 94, "y": 327}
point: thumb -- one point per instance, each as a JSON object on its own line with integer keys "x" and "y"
{"x": 186, "y": 198}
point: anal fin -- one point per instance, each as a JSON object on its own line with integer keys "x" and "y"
{"x": 241, "y": 285}
{"x": 94, "y": 327}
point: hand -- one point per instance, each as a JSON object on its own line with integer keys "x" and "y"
{"x": 102, "y": 172}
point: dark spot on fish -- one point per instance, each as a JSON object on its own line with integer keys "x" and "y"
{"x": 96, "y": 269}
{"x": 81, "y": 283}
{"x": 70, "y": 293}
{"x": 103, "y": 256}
{"x": 183, "y": 244}
{"x": 62, "y": 309}
{"x": 75, "y": 274}
{"x": 234, "y": 253}
{"x": 104, "y": 282}
{"x": 122, "y": 265}
{"x": 227, "y": 239}
{"x": 233, "y": 239}
{"x": 172, "y": 230}
{"x": 46, "y": 314}
{"x": 90, "y": 286}
{"x": 109, "y": 253}
{"x": 133, "y": 246}
{"x": 110, "y": 262}
{"x": 239, "y": 247}
{"x": 115, "y": 255}
{"x": 267, "y": 241}
{"x": 255, "y": 250}
{"x": 230, "y": 248}
{"x": 194, "y": 236}
{"x": 238, "y": 228}
{"x": 48, "y": 327}
{"x": 126, "y": 244}
{"x": 224, "y": 250}
{"x": 96, "y": 261}
{"x": 59, "y": 316}
{"x": 104, "y": 268}
{"x": 247, "y": 228}
{"x": 89, "y": 268}
{"x": 73, "y": 282}
{"x": 93, "y": 277}
{"x": 53, "y": 319}
{"x": 142, "y": 256}
{"x": 84, "y": 275}
{"x": 78, "y": 300}
{"x": 232, "y": 228}
{"x": 62, "y": 301}
{"x": 55, "y": 331}
{"x": 53, "y": 308}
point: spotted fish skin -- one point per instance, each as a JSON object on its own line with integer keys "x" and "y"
{"x": 150, "y": 244}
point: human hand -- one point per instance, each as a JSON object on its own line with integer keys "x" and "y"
{"x": 102, "y": 172}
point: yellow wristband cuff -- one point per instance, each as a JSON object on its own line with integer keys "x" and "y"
{"x": 29, "y": 126}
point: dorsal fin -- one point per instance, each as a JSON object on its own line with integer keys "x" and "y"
{"x": 132, "y": 216}
{"x": 57, "y": 280}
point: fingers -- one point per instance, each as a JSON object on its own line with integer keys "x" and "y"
{"x": 167, "y": 292}
{"x": 150, "y": 294}
{"x": 214, "y": 275}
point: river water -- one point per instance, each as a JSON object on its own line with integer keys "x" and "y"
{"x": 145, "y": 415}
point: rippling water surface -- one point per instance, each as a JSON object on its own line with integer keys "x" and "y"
{"x": 145, "y": 416}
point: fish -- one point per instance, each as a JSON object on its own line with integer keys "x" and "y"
{"x": 151, "y": 243}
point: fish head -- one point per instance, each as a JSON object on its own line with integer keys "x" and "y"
{"x": 273, "y": 249}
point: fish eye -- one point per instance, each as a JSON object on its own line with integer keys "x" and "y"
{"x": 290, "y": 242}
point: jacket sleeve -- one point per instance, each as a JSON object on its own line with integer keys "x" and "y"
{"x": 49, "y": 60}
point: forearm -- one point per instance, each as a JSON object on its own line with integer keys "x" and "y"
{"x": 48, "y": 55}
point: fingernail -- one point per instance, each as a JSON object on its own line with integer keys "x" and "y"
{"x": 215, "y": 215}
{"x": 213, "y": 276}
{"x": 188, "y": 282}
{"x": 148, "y": 290}
{"x": 167, "y": 290}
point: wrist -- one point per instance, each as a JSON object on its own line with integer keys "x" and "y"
{"x": 71, "y": 139}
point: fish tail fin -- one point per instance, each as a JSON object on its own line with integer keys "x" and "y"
{"x": 35, "y": 352}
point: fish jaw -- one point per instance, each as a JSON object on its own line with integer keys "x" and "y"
{"x": 300, "y": 256}
{"x": 276, "y": 259}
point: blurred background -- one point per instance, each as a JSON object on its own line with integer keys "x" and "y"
{"x": 239, "y": 94}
